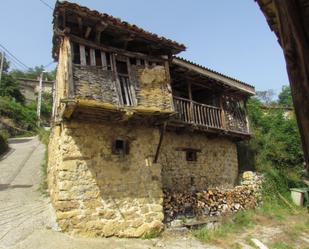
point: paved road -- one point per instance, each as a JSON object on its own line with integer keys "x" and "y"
{"x": 22, "y": 208}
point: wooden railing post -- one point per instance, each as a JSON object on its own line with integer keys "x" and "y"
{"x": 191, "y": 113}
{"x": 223, "y": 122}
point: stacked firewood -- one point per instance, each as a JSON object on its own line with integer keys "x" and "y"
{"x": 212, "y": 202}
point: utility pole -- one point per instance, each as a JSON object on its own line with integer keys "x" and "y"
{"x": 38, "y": 111}
{"x": 1, "y": 65}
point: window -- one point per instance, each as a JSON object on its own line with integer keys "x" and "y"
{"x": 120, "y": 147}
{"x": 191, "y": 155}
{"x": 125, "y": 84}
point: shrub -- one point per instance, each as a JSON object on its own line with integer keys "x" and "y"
{"x": 3, "y": 143}
{"x": 23, "y": 116}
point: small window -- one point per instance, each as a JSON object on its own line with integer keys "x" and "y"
{"x": 120, "y": 147}
{"x": 191, "y": 155}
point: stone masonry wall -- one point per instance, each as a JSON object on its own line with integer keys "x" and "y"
{"x": 152, "y": 87}
{"x": 216, "y": 164}
{"x": 97, "y": 193}
{"x": 95, "y": 84}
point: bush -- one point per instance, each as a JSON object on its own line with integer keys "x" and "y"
{"x": 3, "y": 143}
{"x": 23, "y": 116}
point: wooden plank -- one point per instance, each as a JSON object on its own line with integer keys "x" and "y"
{"x": 124, "y": 85}
{"x": 113, "y": 49}
{"x": 162, "y": 132}
{"x": 117, "y": 82}
{"x": 87, "y": 33}
{"x": 92, "y": 57}
{"x": 70, "y": 70}
{"x": 131, "y": 86}
{"x": 138, "y": 62}
{"x": 103, "y": 60}
{"x": 191, "y": 103}
{"x": 82, "y": 53}
{"x": 146, "y": 63}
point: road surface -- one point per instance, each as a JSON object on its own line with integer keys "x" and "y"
{"x": 22, "y": 207}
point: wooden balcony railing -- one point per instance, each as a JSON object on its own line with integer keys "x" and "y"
{"x": 192, "y": 112}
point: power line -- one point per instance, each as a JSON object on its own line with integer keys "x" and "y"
{"x": 46, "y": 4}
{"x": 47, "y": 65}
{"x": 24, "y": 65}
{"x": 13, "y": 61}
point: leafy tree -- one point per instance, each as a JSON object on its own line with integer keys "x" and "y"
{"x": 276, "y": 138}
{"x": 34, "y": 73}
{"x": 265, "y": 96}
{"x": 10, "y": 87}
{"x": 285, "y": 97}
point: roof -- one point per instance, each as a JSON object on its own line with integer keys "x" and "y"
{"x": 227, "y": 80}
{"x": 116, "y": 22}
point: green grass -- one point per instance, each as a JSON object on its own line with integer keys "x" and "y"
{"x": 152, "y": 234}
{"x": 281, "y": 245}
{"x": 241, "y": 220}
{"x": 44, "y": 138}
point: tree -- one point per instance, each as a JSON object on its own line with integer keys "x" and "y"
{"x": 266, "y": 96}
{"x": 10, "y": 87}
{"x": 33, "y": 73}
{"x": 285, "y": 97}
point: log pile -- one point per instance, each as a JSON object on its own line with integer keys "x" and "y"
{"x": 212, "y": 202}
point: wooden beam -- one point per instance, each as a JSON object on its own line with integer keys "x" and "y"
{"x": 99, "y": 29}
{"x": 104, "y": 60}
{"x": 70, "y": 70}
{"x": 113, "y": 49}
{"x": 162, "y": 132}
{"x": 132, "y": 89}
{"x": 88, "y": 30}
{"x": 69, "y": 110}
{"x": 82, "y": 53}
{"x": 80, "y": 24}
{"x": 92, "y": 57}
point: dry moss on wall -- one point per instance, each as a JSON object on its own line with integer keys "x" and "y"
{"x": 96, "y": 193}
{"x": 216, "y": 164}
{"x": 153, "y": 88}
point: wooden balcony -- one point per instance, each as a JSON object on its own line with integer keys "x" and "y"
{"x": 208, "y": 117}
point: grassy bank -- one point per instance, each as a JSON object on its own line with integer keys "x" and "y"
{"x": 44, "y": 138}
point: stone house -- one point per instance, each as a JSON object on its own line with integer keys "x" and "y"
{"x": 131, "y": 120}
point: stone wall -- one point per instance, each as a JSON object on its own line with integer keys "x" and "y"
{"x": 216, "y": 164}
{"x": 152, "y": 87}
{"x": 95, "y": 84}
{"x": 97, "y": 193}
{"x": 150, "y": 84}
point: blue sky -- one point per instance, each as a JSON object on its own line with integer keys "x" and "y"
{"x": 231, "y": 37}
